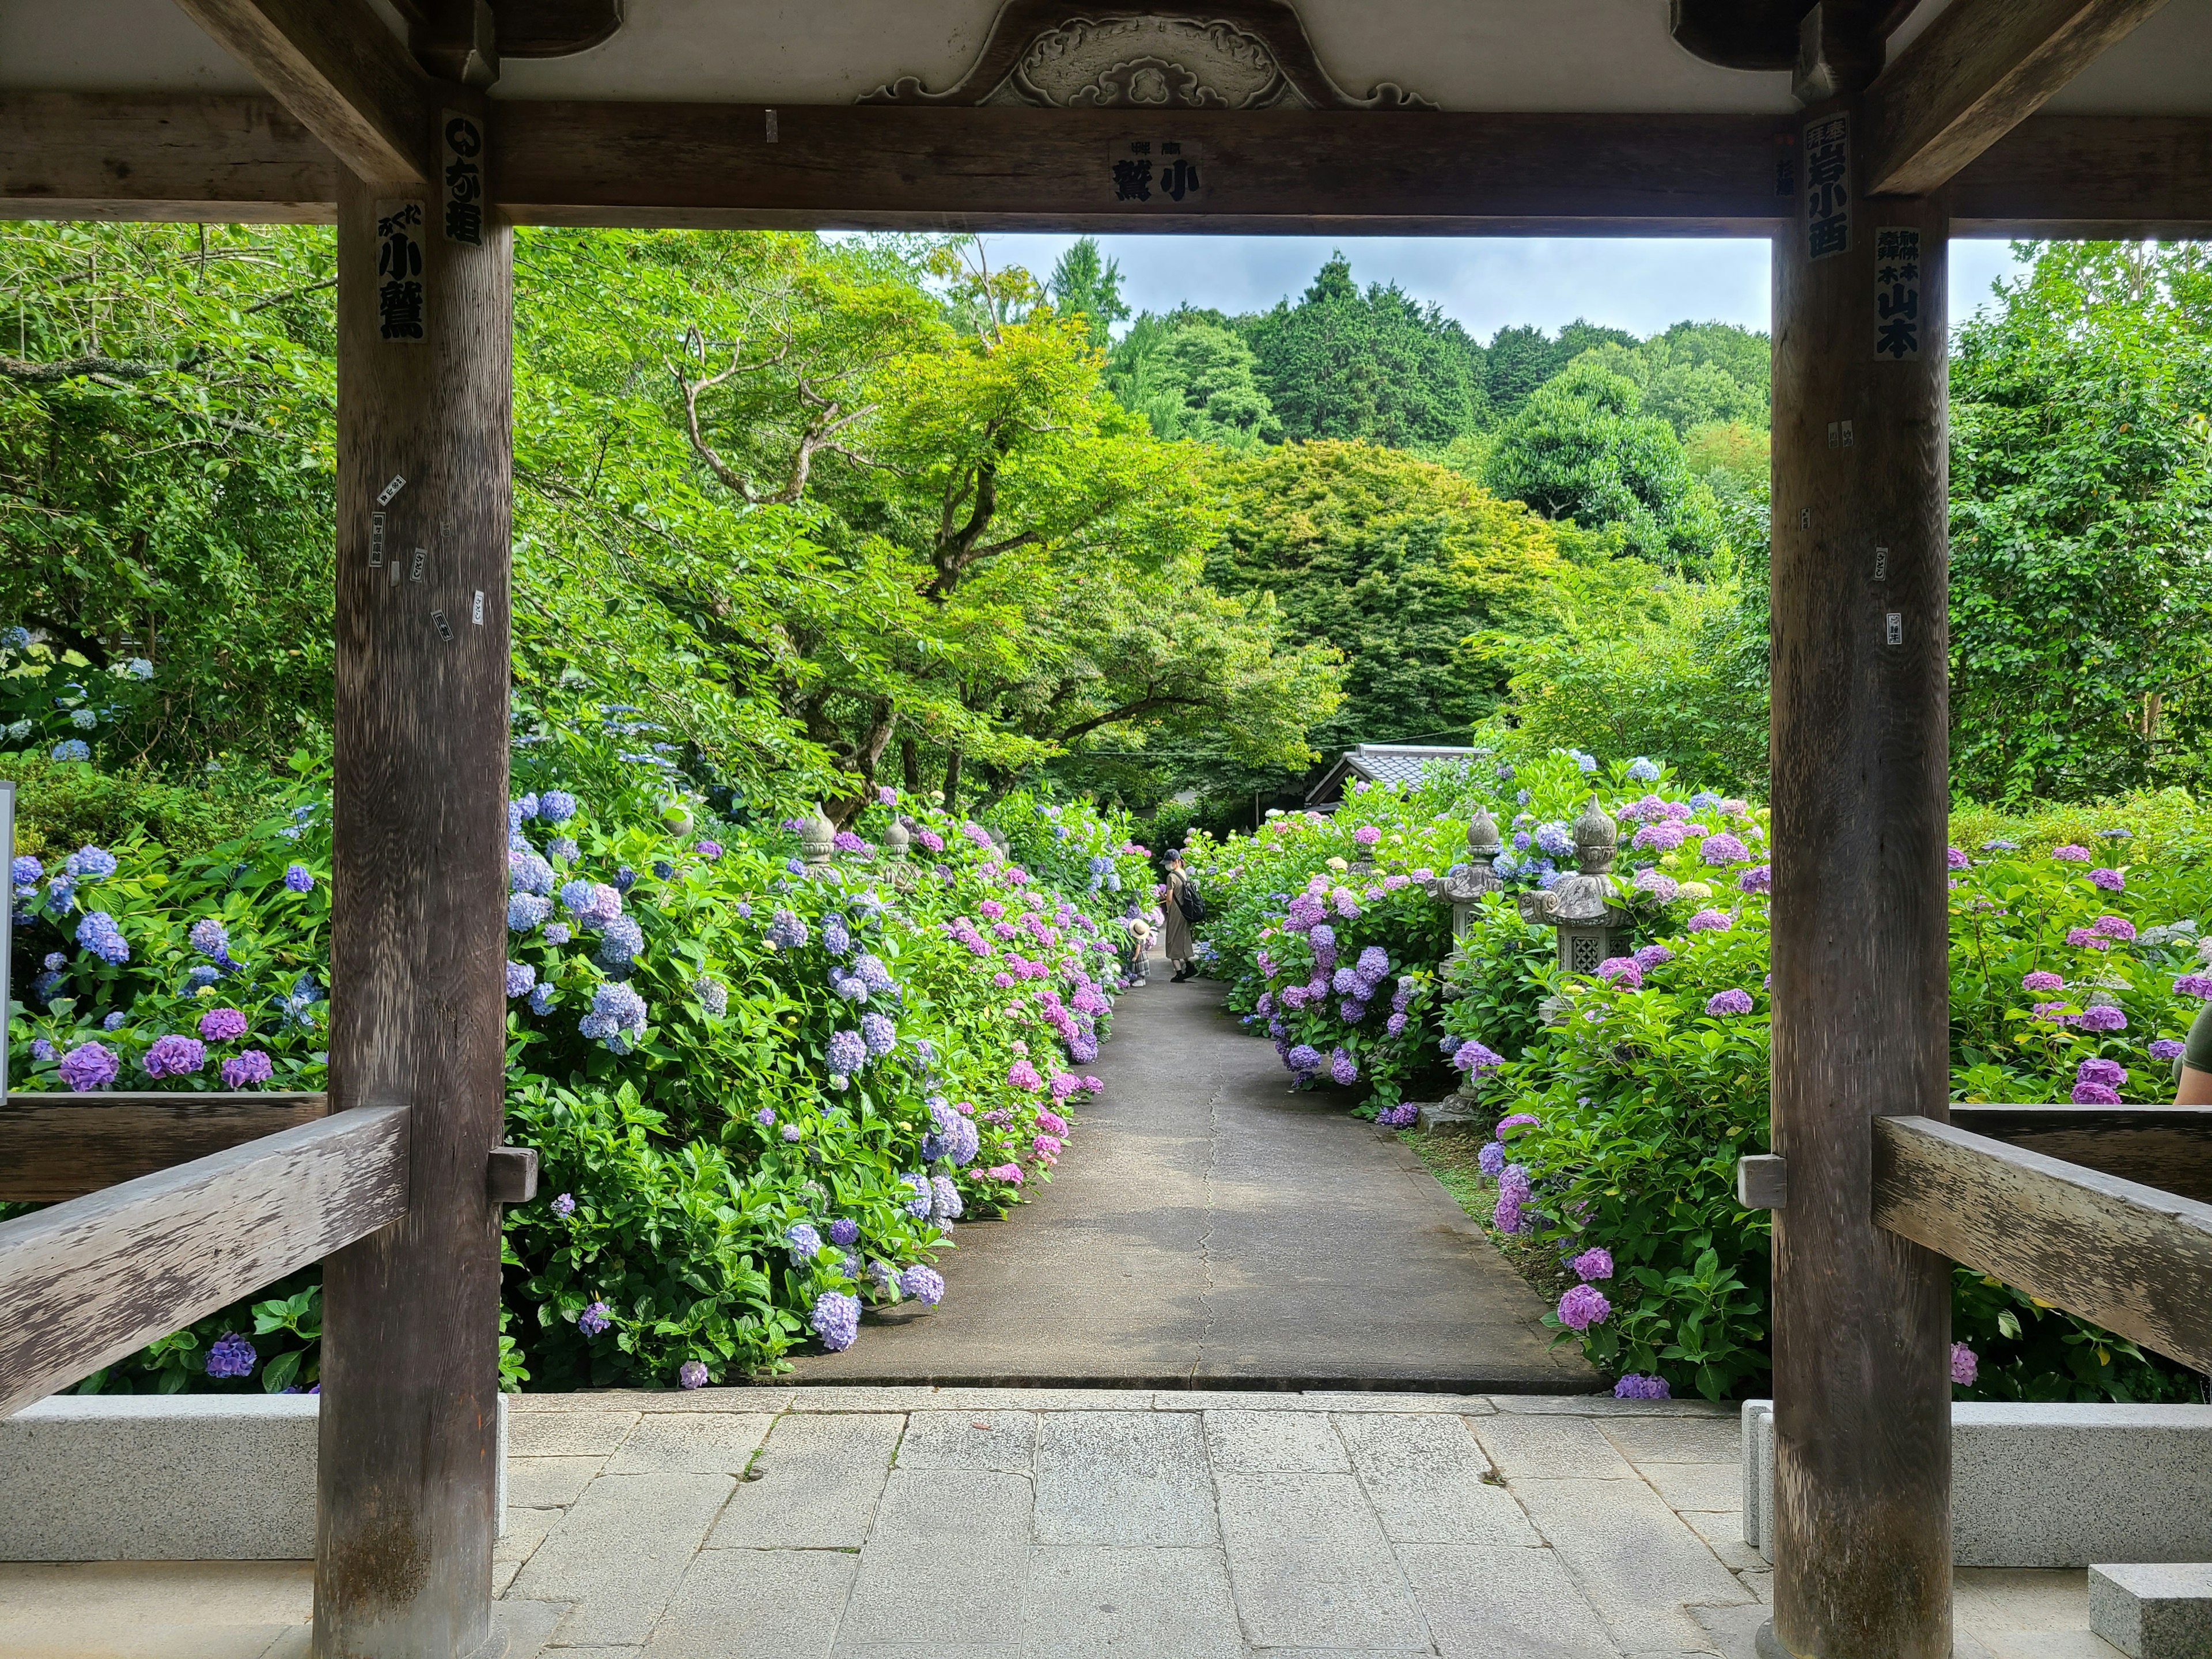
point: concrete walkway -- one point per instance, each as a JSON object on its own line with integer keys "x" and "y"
{"x": 1208, "y": 1226}
{"x": 920, "y": 1523}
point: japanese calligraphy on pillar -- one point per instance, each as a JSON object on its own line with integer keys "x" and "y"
{"x": 1828, "y": 187}
{"x": 400, "y": 270}
{"x": 464, "y": 143}
{"x": 1897, "y": 293}
{"x": 1154, "y": 171}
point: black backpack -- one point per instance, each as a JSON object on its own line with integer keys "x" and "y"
{"x": 1190, "y": 902}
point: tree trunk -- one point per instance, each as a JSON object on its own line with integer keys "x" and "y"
{"x": 953, "y": 781}
{"x": 910, "y": 764}
{"x": 407, "y": 1457}
{"x": 1860, "y": 985}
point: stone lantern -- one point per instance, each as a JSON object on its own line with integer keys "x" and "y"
{"x": 1591, "y": 927}
{"x": 1463, "y": 887}
{"x": 897, "y": 842}
{"x": 817, "y": 836}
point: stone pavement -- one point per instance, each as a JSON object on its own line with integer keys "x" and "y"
{"x": 1207, "y": 1225}
{"x": 975, "y": 1523}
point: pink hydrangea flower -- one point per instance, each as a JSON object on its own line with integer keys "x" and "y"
{"x": 222, "y": 1025}
{"x": 1622, "y": 970}
{"x": 1592, "y": 1264}
{"x": 1024, "y": 1076}
{"x": 1584, "y": 1306}
{"x": 1005, "y": 1172}
{"x": 2071, "y": 854}
{"x": 2042, "y": 980}
{"x": 2118, "y": 927}
{"x": 1964, "y": 1367}
{"x": 1711, "y": 922}
{"x": 1367, "y": 834}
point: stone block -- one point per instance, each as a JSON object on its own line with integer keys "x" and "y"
{"x": 1313, "y": 1592}
{"x": 1258, "y": 1509}
{"x": 1632, "y": 1558}
{"x": 1707, "y": 1487}
{"x": 1266, "y": 1442}
{"x": 540, "y": 1483}
{"x": 819, "y": 1479}
{"x": 1551, "y": 1449}
{"x": 620, "y": 1552}
{"x": 1084, "y": 1602}
{"x": 1003, "y": 1441}
{"x": 1424, "y": 1477}
{"x": 1123, "y": 1478}
{"x": 165, "y": 1477}
{"x": 1645, "y": 1440}
{"x": 567, "y": 1434}
{"x": 2052, "y": 1486}
{"x": 1493, "y": 1603}
{"x": 692, "y": 1443}
{"x": 756, "y": 1604}
{"x": 1451, "y": 1115}
{"x": 1603, "y": 1405}
{"x": 2152, "y": 1610}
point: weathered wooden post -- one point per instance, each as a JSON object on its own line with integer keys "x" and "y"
{"x": 410, "y": 1340}
{"x": 1861, "y": 1317}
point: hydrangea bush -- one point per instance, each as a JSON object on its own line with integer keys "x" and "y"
{"x": 763, "y": 1092}
{"x": 2075, "y": 974}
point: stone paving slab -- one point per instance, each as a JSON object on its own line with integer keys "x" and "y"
{"x": 1095, "y": 1527}
{"x": 1210, "y": 1224}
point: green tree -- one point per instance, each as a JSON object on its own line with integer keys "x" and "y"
{"x": 1084, "y": 284}
{"x": 1377, "y": 366}
{"x": 1520, "y": 359}
{"x": 1581, "y": 449}
{"x": 1198, "y": 379}
{"x": 2081, "y": 516}
{"x": 1391, "y": 560}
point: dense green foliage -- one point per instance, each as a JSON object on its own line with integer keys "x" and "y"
{"x": 1622, "y": 1101}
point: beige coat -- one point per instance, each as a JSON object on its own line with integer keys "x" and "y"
{"x": 1178, "y": 942}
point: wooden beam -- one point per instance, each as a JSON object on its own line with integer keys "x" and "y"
{"x": 345, "y": 77}
{"x": 82, "y": 155}
{"x": 2135, "y": 1259}
{"x": 1980, "y": 69}
{"x": 57, "y": 1147}
{"x": 86, "y": 1282}
{"x": 2168, "y": 1147}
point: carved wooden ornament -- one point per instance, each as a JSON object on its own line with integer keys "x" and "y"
{"x": 1233, "y": 54}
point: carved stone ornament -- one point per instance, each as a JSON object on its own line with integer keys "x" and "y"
{"x": 1227, "y": 54}
{"x": 817, "y": 836}
{"x": 1466, "y": 883}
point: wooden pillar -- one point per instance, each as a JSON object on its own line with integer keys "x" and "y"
{"x": 1861, "y": 1522}
{"x": 410, "y": 1333}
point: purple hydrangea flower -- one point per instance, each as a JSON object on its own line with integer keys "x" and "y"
{"x": 2111, "y": 880}
{"x": 245, "y": 1068}
{"x": 1730, "y": 1001}
{"x": 2073, "y": 853}
{"x": 2105, "y": 1016}
{"x": 924, "y": 1285}
{"x": 1622, "y": 970}
{"x": 790, "y": 1132}
{"x": 175, "y": 1056}
{"x": 836, "y": 1320}
{"x": 595, "y": 1318}
{"x": 1657, "y": 883}
{"x": 1651, "y": 956}
{"x": 618, "y": 1016}
{"x": 848, "y": 1051}
{"x": 1303, "y": 1059}
{"x": 1636, "y": 1386}
{"x": 1342, "y": 1066}
{"x": 1592, "y": 1264}
{"x": 1956, "y": 858}
{"x": 1405, "y": 1113}
{"x": 520, "y": 977}
{"x": 877, "y": 1032}
{"x": 2194, "y": 985}
{"x": 844, "y": 1232}
{"x": 1584, "y": 1306}
{"x": 565, "y": 1205}
{"x": 620, "y": 941}
{"x": 2095, "y": 1094}
{"x": 1492, "y": 1158}
{"x": 1759, "y": 878}
{"x": 2041, "y": 980}
{"x": 805, "y": 1243}
{"x": 944, "y": 1201}
{"x": 1724, "y": 849}
{"x": 691, "y": 1374}
{"x": 209, "y": 938}
{"x": 2109, "y": 1072}
{"x": 1964, "y": 1367}
{"x": 709, "y": 850}
{"x": 89, "y": 1065}
{"x": 1474, "y": 1058}
{"x": 1711, "y": 922}
{"x": 231, "y": 1356}
{"x": 222, "y": 1025}
{"x": 2167, "y": 1048}
{"x": 299, "y": 879}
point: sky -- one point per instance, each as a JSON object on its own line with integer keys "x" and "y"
{"x": 1641, "y": 285}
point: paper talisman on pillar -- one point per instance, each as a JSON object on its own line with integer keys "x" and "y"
{"x": 399, "y": 274}
{"x": 1827, "y": 187}
{"x": 463, "y": 136}
{"x": 1896, "y": 294}
{"x": 1155, "y": 172}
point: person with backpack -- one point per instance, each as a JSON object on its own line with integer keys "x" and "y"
{"x": 1182, "y": 906}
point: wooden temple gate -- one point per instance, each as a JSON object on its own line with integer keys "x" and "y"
{"x": 1858, "y": 157}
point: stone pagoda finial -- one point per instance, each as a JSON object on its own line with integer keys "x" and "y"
{"x": 1483, "y": 843}
{"x": 1597, "y": 839}
{"x": 817, "y": 836}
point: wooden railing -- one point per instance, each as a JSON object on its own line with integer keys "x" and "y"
{"x": 2135, "y": 1258}
{"x": 96, "y": 1277}
{"x": 57, "y": 1146}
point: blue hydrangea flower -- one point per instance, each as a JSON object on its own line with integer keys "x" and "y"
{"x": 527, "y": 872}
{"x": 836, "y": 937}
{"x": 713, "y": 995}
{"x": 923, "y": 1198}
{"x": 844, "y": 1232}
{"x": 873, "y": 973}
{"x": 847, "y": 1053}
{"x": 71, "y": 749}
{"x": 556, "y": 806}
{"x": 113, "y": 1022}
{"x": 542, "y": 999}
{"x": 521, "y": 808}
{"x": 524, "y": 911}
{"x": 924, "y": 1285}
{"x": 15, "y": 639}
{"x": 663, "y": 869}
{"x": 1557, "y": 840}
{"x": 83, "y": 718}
{"x": 556, "y": 933}
{"x": 520, "y": 977}
{"x": 139, "y": 669}
{"x": 561, "y": 848}
{"x": 25, "y": 870}
{"x": 99, "y": 934}
{"x": 805, "y": 1243}
{"x": 299, "y": 879}
{"x": 945, "y": 1198}
{"x": 785, "y": 932}
{"x": 879, "y": 1034}
{"x": 1643, "y": 771}
{"x": 620, "y": 940}
{"x": 210, "y": 938}
{"x": 625, "y": 878}
{"x": 90, "y": 863}
{"x": 595, "y": 1318}
{"x": 617, "y": 1016}
{"x": 201, "y": 976}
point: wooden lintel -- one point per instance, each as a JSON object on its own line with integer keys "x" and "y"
{"x": 2168, "y": 1147}
{"x": 86, "y": 1282}
{"x": 155, "y": 156}
{"x": 2133, "y": 1258}
{"x": 345, "y": 77}
{"x": 57, "y": 1147}
{"x": 1978, "y": 71}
